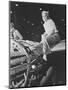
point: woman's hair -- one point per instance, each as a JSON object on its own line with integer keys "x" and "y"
{"x": 11, "y": 25}
{"x": 45, "y": 13}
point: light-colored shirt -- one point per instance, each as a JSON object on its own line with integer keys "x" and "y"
{"x": 50, "y": 27}
{"x": 15, "y": 34}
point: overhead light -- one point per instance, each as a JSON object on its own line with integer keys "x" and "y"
{"x": 28, "y": 21}
{"x": 40, "y": 8}
{"x": 17, "y": 5}
{"x": 24, "y": 19}
{"x": 10, "y": 12}
{"x": 62, "y": 19}
{"x": 32, "y": 24}
{"x": 32, "y": 33}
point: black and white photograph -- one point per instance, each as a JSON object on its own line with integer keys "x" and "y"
{"x": 37, "y": 44}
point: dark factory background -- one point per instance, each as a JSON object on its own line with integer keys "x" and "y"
{"x": 27, "y": 18}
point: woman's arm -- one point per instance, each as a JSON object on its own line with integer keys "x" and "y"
{"x": 17, "y": 35}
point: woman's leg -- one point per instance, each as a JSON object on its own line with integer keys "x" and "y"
{"x": 46, "y": 48}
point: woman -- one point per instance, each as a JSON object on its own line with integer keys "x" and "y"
{"x": 15, "y": 33}
{"x": 50, "y": 36}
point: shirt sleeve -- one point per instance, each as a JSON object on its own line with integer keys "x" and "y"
{"x": 17, "y": 35}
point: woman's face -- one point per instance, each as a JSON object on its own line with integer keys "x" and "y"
{"x": 44, "y": 17}
{"x": 11, "y": 27}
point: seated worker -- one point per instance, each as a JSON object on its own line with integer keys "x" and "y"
{"x": 14, "y": 33}
{"x": 50, "y": 36}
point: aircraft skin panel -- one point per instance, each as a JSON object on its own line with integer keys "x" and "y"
{"x": 59, "y": 47}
